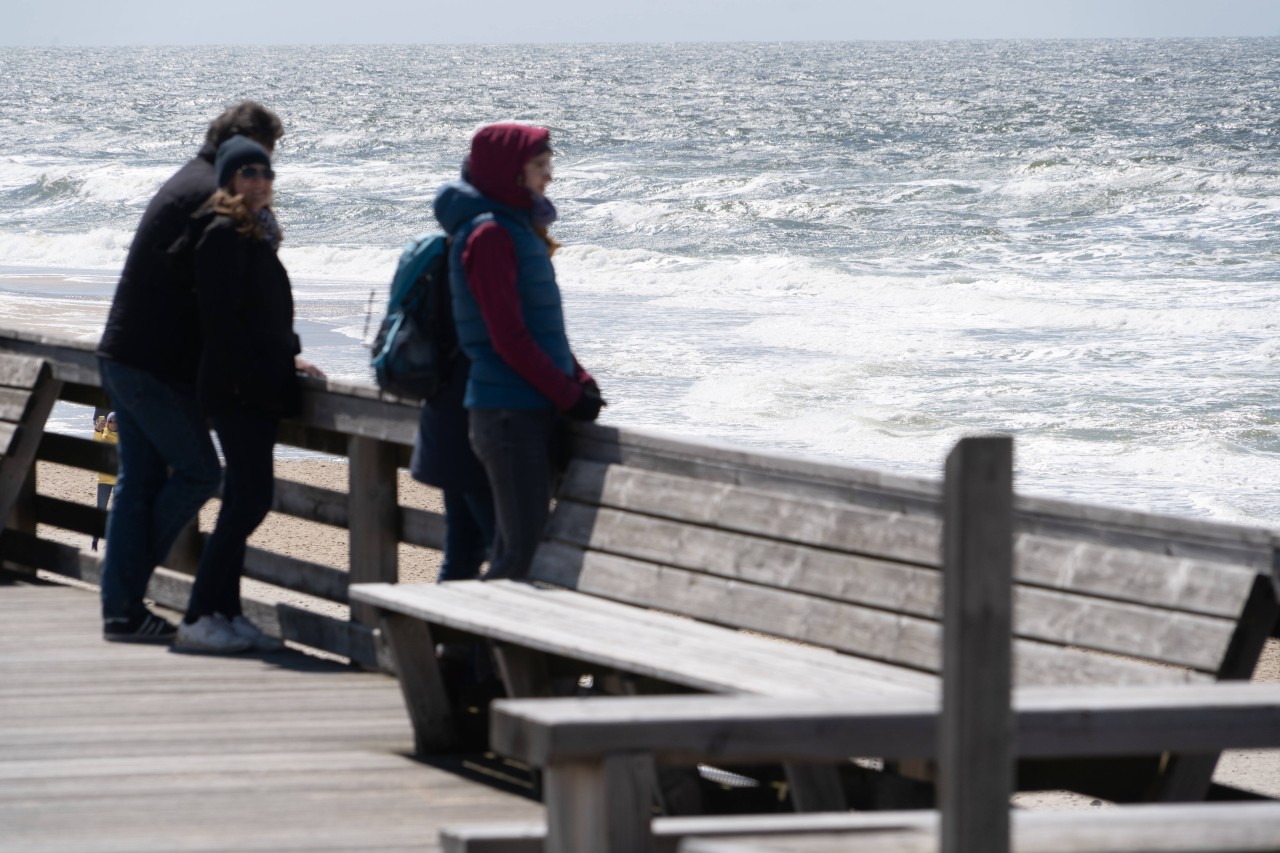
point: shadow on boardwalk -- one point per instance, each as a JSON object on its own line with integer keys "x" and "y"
{"x": 115, "y": 747}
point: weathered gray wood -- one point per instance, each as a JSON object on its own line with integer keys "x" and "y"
{"x": 784, "y": 515}
{"x": 422, "y": 527}
{"x": 373, "y": 511}
{"x": 354, "y": 414}
{"x": 1176, "y": 536}
{"x": 69, "y": 515}
{"x": 1102, "y": 721}
{"x": 18, "y": 371}
{"x": 657, "y": 645}
{"x": 295, "y": 434}
{"x": 8, "y": 433}
{"x": 301, "y": 500}
{"x": 277, "y": 752}
{"x": 1147, "y": 631}
{"x": 892, "y": 635}
{"x": 1204, "y": 828}
{"x": 413, "y": 651}
{"x": 85, "y": 395}
{"x": 298, "y": 575}
{"x": 78, "y": 452}
{"x": 18, "y": 446}
{"x": 675, "y": 519}
{"x": 668, "y": 832}
{"x": 975, "y": 738}
{"x": 1186, "y": 777}
{"x": 13, "y": 403}
{"x": 1084, "y": 573}
{"x": 72, "y": 361}
{"x": 172, "y": 589}
{"x": 24, "y": 516}
{"x": 599, "y": 807}
{"x": 1240, "y": 827}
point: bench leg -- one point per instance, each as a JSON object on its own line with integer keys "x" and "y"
{"x": 414, "y": 651}
{"x": 601, "y": 806}
{"x": 816, "y": 788}
{"x": 1186, "y": 778}
{"x": 524, "y": 672}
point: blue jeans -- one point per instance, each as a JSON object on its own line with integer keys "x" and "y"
{"x": 168, "y": 469}
{"x": 514, "y": 446}
{"x": 248, "y": 442}
{"x": 468, "y": 533}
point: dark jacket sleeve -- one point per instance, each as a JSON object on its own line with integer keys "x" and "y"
{"x": 489, "y": 259}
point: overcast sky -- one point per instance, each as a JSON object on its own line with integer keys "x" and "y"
{"x": 161, "y": 22}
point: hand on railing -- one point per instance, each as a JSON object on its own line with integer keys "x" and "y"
{"x": 301, "y": 365}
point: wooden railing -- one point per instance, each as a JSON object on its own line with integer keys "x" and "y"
{"x": 375, "y": 433}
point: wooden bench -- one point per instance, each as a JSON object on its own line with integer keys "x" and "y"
{"x": 580, "y": 743}
{"x": 1202, "y": 828}
{"x": 671, "y": 566}
{"x": 27, "y": 394}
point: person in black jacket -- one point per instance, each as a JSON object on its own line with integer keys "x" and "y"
{"x": 247, "y": 380}
{"x": 148, "y": 357}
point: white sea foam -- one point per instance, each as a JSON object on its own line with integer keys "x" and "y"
{"x": 860, "y": 252}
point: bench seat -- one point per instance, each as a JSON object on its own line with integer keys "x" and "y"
{"x": 664, "y": 647}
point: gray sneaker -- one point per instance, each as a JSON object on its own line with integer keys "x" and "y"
{"x": 210, "y": 634}
{"x": 260, "y": 642}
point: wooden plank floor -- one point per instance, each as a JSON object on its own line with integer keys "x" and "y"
{"x": 118, "y": 747}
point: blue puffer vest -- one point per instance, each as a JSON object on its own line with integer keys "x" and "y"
{"x": 461, "y": 209}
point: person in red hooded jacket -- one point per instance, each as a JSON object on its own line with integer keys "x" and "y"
{"x": 507, "y": 309}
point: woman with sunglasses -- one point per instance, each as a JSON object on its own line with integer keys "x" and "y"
{"x": 247, "y": 381}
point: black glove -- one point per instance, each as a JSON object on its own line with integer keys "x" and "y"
{"x": 588, "y": 406}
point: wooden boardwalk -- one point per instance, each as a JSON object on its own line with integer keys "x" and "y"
{"x": 117, "y": 747}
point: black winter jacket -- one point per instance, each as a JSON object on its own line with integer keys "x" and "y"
{"x": 246, "y": 322}
{"x": 153, "y": 324}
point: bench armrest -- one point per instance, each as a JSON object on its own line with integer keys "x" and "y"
{"x": 1050, "y": 722}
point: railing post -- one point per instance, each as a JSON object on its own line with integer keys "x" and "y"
{"x": 374, "y": 514}
{"x": 23, "y": 515}
{"x": 975, "y": 751}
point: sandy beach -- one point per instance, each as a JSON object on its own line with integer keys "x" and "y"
{"x": 1257, "y": 770}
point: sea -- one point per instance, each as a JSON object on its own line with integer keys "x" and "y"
{"x": 854, "y": 252}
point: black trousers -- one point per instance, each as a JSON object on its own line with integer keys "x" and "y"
{"x": 248, "y": 442}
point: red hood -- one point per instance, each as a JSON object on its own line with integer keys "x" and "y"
{"x": 498, "y": 155}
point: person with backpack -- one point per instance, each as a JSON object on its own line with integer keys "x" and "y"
{"x": 148, "y": 358}
{"x": 510, "y": 324}
{"x": 442, "y": 457}
{"x": 416, "y": 357}
{"x": 247, "y": 380}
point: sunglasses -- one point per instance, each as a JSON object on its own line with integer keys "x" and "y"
{"x": 252, "y": 172}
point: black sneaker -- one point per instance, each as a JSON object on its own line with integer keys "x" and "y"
{"x": 148, "y": 629}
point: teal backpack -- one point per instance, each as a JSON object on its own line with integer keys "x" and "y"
{"x": 416, "y": 344}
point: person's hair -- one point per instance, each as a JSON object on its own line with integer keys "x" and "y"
{"x": 247, "y": 118}
{"x": 224, "y": 203}
{"x": 552, "y": 243}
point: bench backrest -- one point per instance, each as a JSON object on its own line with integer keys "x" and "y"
{"x": 865, "y": 580}
{"x": 27, "y": 394}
